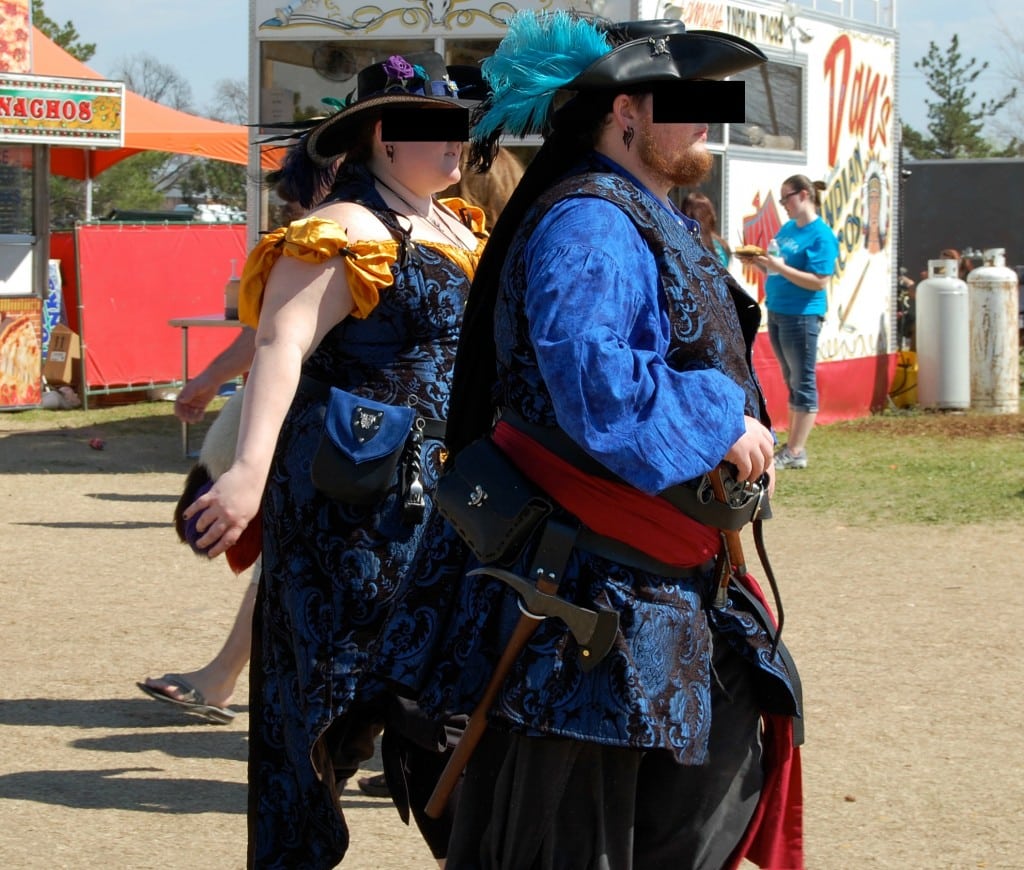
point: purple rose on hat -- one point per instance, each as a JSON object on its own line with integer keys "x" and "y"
{"x": 397, "y": 68}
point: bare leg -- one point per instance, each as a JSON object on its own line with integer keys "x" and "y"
{"x": 216, "y": 680}
{"x": 800, "y": 425}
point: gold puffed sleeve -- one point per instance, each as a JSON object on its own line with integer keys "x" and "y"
{"x": 477, "y": 218}
{"x": 316, "y": 240}
{"x": 255, "y": 273}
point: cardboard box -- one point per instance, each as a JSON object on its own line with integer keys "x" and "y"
{"x": 62, "y": 356}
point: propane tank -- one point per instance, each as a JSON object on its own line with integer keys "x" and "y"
{"x": 943, "y": 339}
{"x": 995, "y": 343}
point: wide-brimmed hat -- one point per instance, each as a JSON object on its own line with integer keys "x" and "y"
{"x": 548, "y": 58}
{"x": 418, "y": 79}
{"x": 694, "y": 55}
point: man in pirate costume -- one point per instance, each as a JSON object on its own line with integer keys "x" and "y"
{"x": 614, "y": 352}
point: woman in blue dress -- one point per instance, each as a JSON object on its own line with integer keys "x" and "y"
{"x": 365, "y": 294}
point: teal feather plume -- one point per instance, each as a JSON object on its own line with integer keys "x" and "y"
{"x": 540, "y": 54}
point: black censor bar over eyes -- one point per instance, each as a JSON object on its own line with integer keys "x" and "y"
{"x": 698, "y": 102}
{"x": 419, "y": 124}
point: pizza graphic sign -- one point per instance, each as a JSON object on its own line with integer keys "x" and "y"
{"x": 21, "y": 363}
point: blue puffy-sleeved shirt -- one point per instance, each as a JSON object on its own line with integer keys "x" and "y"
{"x": 604, "y": 344}
{"x": 615, "y": 323}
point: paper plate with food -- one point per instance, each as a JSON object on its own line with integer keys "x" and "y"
{"x": 749, "y": 251}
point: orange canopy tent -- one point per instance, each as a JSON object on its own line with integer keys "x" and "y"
{"x": 148, "y": 126}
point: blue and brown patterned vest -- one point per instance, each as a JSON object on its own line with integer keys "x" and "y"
{"x": 713, "y": 321}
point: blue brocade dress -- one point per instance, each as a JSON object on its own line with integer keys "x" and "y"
{"x": 330, "y": 570}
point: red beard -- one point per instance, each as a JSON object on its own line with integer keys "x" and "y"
{"x": 681, "y": 169}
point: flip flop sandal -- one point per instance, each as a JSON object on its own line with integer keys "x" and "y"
{"x": 192, "y": 700}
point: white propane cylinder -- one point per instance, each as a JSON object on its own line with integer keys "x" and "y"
{"x": 995, "y": 343}
{"x": 943, "y": 339}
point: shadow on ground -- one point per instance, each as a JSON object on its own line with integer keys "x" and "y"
{"x": 136, "y": 445}
{"x": 142, "y": 727}
{"x": 124, "y": 789}
{"x": 138, "y": 712}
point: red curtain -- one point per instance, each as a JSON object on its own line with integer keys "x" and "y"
{"x": 133, "y": 279}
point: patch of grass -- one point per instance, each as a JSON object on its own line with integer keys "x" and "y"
{"x": 121, "y": 419}
{"x": 136, "y": 437}
{"x": 898, "y": 467}
{"x": 912, "y": 468}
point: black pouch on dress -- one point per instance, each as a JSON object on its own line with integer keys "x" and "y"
{"x": 360, "y": 446}
{"x": 490, "y": 503}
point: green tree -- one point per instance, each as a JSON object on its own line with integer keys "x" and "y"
{"x": 67, "y": 196}
{"x": 213, "y": 181}
{"x": 203, "y": 180}
{"x": 954, "y": 124}
{"x": 65, "y": 35}
{"x": 128, "y": 185}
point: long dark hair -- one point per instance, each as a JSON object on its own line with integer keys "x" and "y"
{"x": 699, "y": 207}
{"x": 299, "y": 179}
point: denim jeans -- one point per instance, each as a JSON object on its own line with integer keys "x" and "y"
{"x": 794, "y": 339}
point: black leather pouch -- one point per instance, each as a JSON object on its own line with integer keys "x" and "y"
{"x": 490, "y": 503}
{"x": 360, "y": 447}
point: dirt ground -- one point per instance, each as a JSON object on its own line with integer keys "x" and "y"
{"x": 906, "y": 637}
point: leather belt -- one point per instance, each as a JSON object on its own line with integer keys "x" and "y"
{"x": 630, "y": 557}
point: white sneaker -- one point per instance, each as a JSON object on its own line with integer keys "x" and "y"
{"x": 785, "y": 459}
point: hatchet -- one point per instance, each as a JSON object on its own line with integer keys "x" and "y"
{"x": 594, "y": 631}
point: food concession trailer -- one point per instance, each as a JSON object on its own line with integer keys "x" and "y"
{"x": 824, "y": 106}
{"x": 37, "y": 112}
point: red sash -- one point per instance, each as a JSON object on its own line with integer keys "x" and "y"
{"x": 774, "y": 839}
{"x": 615, "y": 510}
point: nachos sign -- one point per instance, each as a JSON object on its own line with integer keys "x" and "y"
{"x": 61, "y": 111}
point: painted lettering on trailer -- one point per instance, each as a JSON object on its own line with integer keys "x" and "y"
{"x": 40, "y": 109}
{"x": 860, "y": 99}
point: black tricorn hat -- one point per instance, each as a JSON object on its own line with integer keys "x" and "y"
{"x": 618, "y": 32}
{"x": 419, "y": 79}
{"x": 674, "y": 55}
{"x": 547, "y": 59}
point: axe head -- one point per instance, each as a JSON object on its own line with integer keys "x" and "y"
{"x": 605, "y": 628}
{"x": 593, "y": 630}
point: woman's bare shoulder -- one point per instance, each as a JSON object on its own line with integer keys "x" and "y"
{"x": 359, "y": 223}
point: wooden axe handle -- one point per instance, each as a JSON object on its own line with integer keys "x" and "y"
{"x": 477, "y": 724}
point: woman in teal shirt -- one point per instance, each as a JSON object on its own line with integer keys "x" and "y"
{"x": 796, "y": 302}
